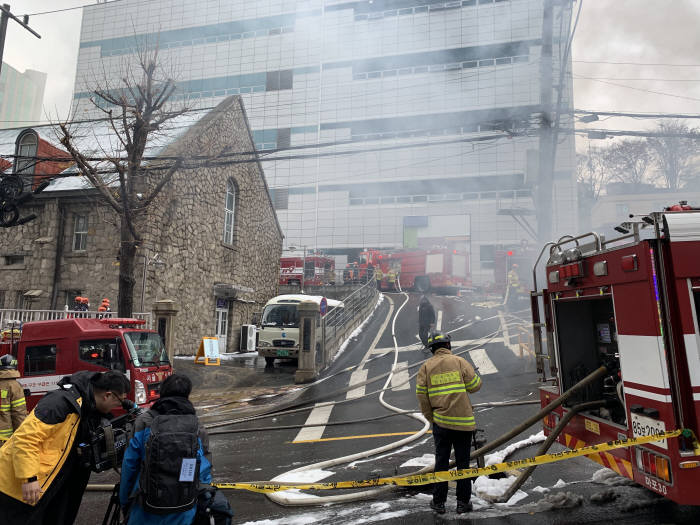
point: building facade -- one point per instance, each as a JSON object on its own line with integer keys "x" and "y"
{"x": 399, "y": 121}
{"x": 21, "y": 97}
{"x": 211, "y": 242}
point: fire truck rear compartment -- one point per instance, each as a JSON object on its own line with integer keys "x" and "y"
{"x": 586, "y": 340}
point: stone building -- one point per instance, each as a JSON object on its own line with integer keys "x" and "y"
{"x": 212, "y": 242}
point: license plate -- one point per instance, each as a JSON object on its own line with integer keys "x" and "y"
{"x": 282, "y": 353}
{"x": 646, "y": 426}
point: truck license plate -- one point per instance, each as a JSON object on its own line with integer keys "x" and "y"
{"x": 282, "y": 353}
{"x": 646, "y": 426}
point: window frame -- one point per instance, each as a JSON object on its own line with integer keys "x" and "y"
{"x": 79, "y": 243}
{"x": 230, "y": 212}
{"x": 26, "y": 166}
{"x": 42, "y": 371}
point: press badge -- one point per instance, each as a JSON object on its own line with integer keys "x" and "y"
{"x": 187, "y": 469}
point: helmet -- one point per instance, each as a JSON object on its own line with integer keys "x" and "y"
{"x": 105, "y": 301}
{"x": 8, "y": 361}
{"x": 84, "y": 300}
{"x": 102, "y": 309}
{"x": 515, "y": 266}
{"x": 438, "y": 340}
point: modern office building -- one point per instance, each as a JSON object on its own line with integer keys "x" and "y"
{"x": 410, "y": 122}
{"x": 21, "y": 97}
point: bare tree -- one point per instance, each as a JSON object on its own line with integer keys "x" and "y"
{"x": 629, "y": 161}
{"x": 135, "y": 111}
{"x": 592, "y": 172}
{"x": 674, "y": 153}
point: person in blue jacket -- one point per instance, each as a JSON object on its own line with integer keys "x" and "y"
{"x": 174, "y": 394}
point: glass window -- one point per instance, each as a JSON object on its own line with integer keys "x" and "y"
{"x": 27, "y": 145}
{"x": 102, "y": 352}
{"x": 280, "y": 315}
{"x": 230, "y": 211}
{"x": 39, "y": 360}
{"x": 80, "y": 230}
{"x": 486, "y": 252}
{"x": 146, "y": 348}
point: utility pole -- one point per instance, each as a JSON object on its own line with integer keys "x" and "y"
{"x": 543, "y": 203}
{"x": 4, "y": 17}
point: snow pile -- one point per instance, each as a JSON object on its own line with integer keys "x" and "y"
{"x": 501, "y": 455}
{"x": 493, "y": 489}
{"x": 359, "y": 329}
{"x": 606, "y": 476}
{"x": 426, "y": 460}
{"x": 540, "y": 490}
{"x": 560, "y": 484}
{"x": 559, "y": 500}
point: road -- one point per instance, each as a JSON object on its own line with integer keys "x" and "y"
{"x": 267, "y": 448}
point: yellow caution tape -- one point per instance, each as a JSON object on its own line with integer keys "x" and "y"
{"x": 451, "y": 475}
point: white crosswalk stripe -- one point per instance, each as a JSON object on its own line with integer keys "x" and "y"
{"x": 438, "y": 325}
{"x": 319, "y": 415}
{"x": 399, "y": 381}
{"x": 358, "y": 376}
{"x": 481, "y": 361}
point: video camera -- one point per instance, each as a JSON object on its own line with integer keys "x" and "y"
{"x": 107, "y": 444}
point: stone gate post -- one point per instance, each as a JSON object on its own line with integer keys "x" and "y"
{"x": 308, "y": 320}
{"x": 164, "y": 313}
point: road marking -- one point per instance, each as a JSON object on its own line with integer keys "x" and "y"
{"x": 455, "y": 344}
{"x": 364, "y": 436}
{"x": 506, "y": 335}
{"x": 400, "y": 379}
{"x": 482, "y": 362}
{"x": 318, "y": 416}
{"x": 438, "y": 325}
{"x": 358, "y": 376}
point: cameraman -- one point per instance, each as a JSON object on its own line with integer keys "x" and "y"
{"x": 42, "y": 479}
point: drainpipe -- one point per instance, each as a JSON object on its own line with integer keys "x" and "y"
{"x": 59, "y": 254}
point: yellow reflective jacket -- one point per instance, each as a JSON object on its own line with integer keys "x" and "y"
{"x": 42, "y": 443}
{"x": 441, "y": 387}
{"x": 13, "y": 406}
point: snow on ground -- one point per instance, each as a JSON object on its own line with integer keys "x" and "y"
{"x": 359, "y": 329}
{"x": 560, "y": 484}
{"x": 423, "y": 461}
{"x": 501, "y": 455}
{"x": 492, "y": 489}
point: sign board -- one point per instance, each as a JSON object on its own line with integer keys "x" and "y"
{"x": 208, "y": 352}
{"x": 323, "y": 306}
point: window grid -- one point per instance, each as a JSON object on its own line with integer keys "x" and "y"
{"x": 80, "y": 232}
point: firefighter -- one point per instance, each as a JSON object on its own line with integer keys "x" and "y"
{"x": 13, "y": 406}
{"x": 426, "y": 320}
{"x": 441, "y": 388}
{"x": 378, "y": 275}
{"x": 392, "y": 279}
{"x": 515, "y": 289}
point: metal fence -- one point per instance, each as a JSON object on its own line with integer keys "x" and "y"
{"x": 340, "y": 322}
{"x": 8, "y": 316}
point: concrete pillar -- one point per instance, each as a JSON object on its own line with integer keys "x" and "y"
{"x": 308, "y": 318}
{"x": 164, "y": 313}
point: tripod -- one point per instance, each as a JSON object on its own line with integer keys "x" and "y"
{"x": 113, "y": 516}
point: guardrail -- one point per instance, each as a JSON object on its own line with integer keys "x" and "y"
{"x": 8, "y": 315}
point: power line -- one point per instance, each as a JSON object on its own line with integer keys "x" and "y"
{"x": 638, "y": 89}
{"x": 70, "y": 8}
{"x": 638, "y": 115}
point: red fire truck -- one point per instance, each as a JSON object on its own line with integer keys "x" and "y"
{"x": 420, "y": 270}
{"x": 630, "y": 304}
{"x": 46, "y": 351}
{"x": 317, "y": 270}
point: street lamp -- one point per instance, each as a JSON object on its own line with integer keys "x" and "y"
{"x": 158, "y": 263}
{"x": 303, "y": 264}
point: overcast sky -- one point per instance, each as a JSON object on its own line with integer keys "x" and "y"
{"x": 658, "y": 32}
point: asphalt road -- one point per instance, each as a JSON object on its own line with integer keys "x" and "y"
{"x": 572, "y": 492}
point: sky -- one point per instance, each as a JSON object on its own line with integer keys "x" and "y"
{"x": 658, "y": 41}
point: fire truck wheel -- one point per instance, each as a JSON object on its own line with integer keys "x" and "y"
{"x": 422, "y": 284}
{"x": 269, "y": 361}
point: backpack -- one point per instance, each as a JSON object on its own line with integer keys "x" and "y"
{"x": 169, "y": 479}
{"x": 213, "y": 507}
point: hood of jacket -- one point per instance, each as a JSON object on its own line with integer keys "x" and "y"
{"x": 80, "y": 383}
{"x": 173, "y": 405}
{"x": 9, "y": 374}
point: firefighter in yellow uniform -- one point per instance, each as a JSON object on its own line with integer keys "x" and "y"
{"x": 13, "y": 405}
{"x": 378, "y": 275}
{"x": 515, "y": 289}
{"x": 391, "y": 276}
{"x": 442, "y": 388}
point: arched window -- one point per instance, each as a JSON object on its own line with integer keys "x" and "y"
{"x": 26, "y": 146}
{"x": 230, "y": 211}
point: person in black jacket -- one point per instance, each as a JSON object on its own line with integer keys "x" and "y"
{"x": 426, "y": 319}
{"x": 42, "y": 477}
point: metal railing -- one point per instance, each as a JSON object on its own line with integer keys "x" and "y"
{"x": 8, "y": 315}
{"x": 339, "y": 323}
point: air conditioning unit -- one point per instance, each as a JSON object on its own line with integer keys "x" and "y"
{"x": 248, "y": 338}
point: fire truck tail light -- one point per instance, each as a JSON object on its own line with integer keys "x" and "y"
{"x": 629, "y": 263}
{"x": 662, "y": 469}
{"x": 657, "y": 466}
{"x": 139, "y": 392}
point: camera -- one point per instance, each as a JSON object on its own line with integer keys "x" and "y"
{"x": 106, "y": 445}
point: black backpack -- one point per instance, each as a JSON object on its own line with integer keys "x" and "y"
{"x": 213, "y": 507}
{"x": 169, "y": 479}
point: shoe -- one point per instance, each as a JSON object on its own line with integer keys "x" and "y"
{"x": 438, "y": 507}
{"x": 463, "y": 507}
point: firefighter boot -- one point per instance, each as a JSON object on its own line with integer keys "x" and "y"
{"x": 437, "y": 507}
{"x": 463, "y": 507}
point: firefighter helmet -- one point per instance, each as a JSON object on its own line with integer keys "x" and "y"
{"x": 8, "y": 362}
{"x": 439, "y": 340}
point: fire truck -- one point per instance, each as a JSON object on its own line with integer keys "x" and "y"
{"x": 317, "y": 270}
{"x": 419, "y": 270}
{"x": 630, "y": 304}
{"x": 46, "y": 351}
